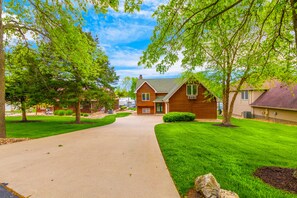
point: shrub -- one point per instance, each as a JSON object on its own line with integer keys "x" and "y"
{"x": 123, "y": 108}
{"x": 68, "y": 112}
{"x": 85, "y": 115}
{"x": 61, "y": 112}
{"x": 56, "y": 112}
{"x": 179, "y": 116}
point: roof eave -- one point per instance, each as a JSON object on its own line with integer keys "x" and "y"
{"x": 271, "y": 107}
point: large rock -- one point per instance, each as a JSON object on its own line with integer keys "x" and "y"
{"x": 295, "y": 174}
{"x": 207, "y": 186}
{"x": 227, "y": 194}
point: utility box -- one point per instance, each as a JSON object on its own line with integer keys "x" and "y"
{"x": 247, "y": 114}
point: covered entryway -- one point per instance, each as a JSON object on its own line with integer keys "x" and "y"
{"x": 159, "y": 108}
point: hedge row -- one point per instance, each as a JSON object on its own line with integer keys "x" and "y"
{"x": 63, "y": 112}
{"x": 68, "y": 112}
{"x": 179, "y": 116}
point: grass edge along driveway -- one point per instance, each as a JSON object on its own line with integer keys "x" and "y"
{"x": 44, "y": 126}
{"x": 191, "y": 149}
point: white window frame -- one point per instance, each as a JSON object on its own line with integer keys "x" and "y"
{"x": 192, "y": 88}
{"x": 146, "y": 110}
{"x": 245, "y": 95}
{"x": 146, "y": 97}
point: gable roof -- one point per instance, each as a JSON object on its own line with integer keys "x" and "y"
{"x": 281, "y": 97}
{"x": 164, "y": 85}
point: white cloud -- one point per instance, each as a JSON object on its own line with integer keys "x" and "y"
{"x": 126, "y": 64}
{"x": 128, "y": 57}
{"x": 123, "y": 32}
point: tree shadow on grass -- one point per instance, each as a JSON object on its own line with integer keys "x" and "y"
{"x": 80, "y": 123}
{"x": 21, "y": 121}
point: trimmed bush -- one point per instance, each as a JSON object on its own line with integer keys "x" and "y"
{"x": 56, "y": 112}
{"x": 179, "y": 117}
{"x": 85, "y": 115}
{"x": 61, "y": 112}
{"x": 68, "y": 112}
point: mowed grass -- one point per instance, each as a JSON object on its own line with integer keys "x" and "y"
{"x": 191, "y": 149}
{"x": 44, "y": 126}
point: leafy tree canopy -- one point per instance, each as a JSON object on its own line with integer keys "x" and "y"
{"x": 234, "y": 41}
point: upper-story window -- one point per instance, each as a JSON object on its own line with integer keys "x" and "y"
{"x": 245, "y": 95}
{"x": 192, "y": 90}
{"x": 145, "y": 96}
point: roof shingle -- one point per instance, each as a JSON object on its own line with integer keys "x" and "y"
{"x": 280, "y": 96}
{"x": 164, "y": 85}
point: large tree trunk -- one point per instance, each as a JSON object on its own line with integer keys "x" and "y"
{"x": 226, "y": 91}
{"x": 23, "y": 108}
{"x": 77, "y": 112}
{"x": 226, "y": 116}
{"x": 2, "y": 79}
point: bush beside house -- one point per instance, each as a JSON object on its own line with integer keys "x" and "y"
{"x": 179, "y": 117}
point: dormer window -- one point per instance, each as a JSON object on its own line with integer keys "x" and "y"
{"x": 145, "y": 97}
{"x": 192, "y": 90}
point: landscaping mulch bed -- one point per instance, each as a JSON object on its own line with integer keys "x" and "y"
{"x": 222, "y": 125}
{"x": 12, "y": 140}
{"x": 278, "y": 177}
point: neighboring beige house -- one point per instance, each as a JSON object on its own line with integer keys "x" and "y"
{"x": 273, "y": 101}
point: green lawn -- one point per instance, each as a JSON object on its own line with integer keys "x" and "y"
{"x": 191, "y": 149}
{"x": 52, "y": 125}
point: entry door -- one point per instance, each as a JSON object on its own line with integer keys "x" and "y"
{"x": 159, "y": 107}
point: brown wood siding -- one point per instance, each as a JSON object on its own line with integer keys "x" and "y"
{"x": 204, "y": 109}
{"x": 139, "y": 110}
{"x": 145, "y": 88}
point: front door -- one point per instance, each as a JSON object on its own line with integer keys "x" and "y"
{"x": 159, "y": 108}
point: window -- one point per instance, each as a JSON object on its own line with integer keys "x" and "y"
{"x": 146, "y": 110}
{"x": 192, "y": 90}
{"x": 145, "y": 97}
{"x": 244, "y": 95}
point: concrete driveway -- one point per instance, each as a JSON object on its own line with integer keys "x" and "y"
{"x": 118, "y": 160}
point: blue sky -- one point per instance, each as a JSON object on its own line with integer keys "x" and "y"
{"x": 124, "y": 36}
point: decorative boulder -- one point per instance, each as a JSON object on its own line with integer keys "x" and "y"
{"x": 227, "y": 194}
{"x": 295, "y": 174}
{"x": 207, "y": 186}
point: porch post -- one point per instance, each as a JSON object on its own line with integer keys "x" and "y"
{"x": 166, "y": 107}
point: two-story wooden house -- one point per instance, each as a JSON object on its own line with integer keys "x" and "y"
{"x": 160, "y": 96}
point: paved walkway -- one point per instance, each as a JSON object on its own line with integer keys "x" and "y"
{"x": 118, "y": 160}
